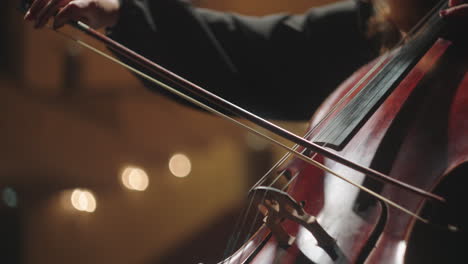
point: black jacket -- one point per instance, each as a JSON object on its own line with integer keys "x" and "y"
{"x": 280, "y": 66}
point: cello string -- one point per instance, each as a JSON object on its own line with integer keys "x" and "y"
{"x": 267, "y": 125}
{"x": 430, "y": 35}
{"x": 390, "y": 203}
{"x": 330, "y": 112}
{"x": 414, "y": 29}
{"x": 401, "y": 41}
{"x": 287, "y": 155}
{"x": 421, "y": 22}
{"x": 264, "y": 178}
{"x": 208, "y": 108}
{"x": 365, "y": 100}
{"x": 233, "y": 239}
{"x": 149, "y": 78}
{"x": 236, "y": 110}
{"x": 316, "y": 126}
{"x": 424, "y": 21}
{"x": 299, "y": 155}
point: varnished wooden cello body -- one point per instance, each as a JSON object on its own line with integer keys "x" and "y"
{"x": 403, "y": 115}
{"x": 417, "y": 134}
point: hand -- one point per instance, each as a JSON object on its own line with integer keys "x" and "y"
{"x": 457, "y": 18}
{"x": 95, "y": 13}
{"x": 457, "y": 9}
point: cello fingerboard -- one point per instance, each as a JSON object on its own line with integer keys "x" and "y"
{"x": 350, "y": 119}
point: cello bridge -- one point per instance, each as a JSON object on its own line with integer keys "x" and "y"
{"x": 276, "y": 206}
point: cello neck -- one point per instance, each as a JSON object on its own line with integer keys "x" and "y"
{"x": 350, "y": 119}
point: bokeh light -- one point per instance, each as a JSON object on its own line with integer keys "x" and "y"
{"x": 134, "y": 178}
{"x": 9, "y": 197}
{"x": 180, "y": 165}
{"x": 83, "y": 200}
{"x": 255, "y": 142}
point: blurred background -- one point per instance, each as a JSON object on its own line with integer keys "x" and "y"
{"x": 96, "y": 169}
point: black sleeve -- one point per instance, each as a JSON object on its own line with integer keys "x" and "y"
{"x": 280, "y": 66}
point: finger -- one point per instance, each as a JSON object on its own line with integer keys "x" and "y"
{"x": 459, "y": 11}
{"x": 455, "y": 2}
{"x": 47, "y": 12}
{"x": 70, "y": 12}
{"x": 35, "y": 8}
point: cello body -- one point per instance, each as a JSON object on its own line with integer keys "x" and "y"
{"x": 418, "y": 135}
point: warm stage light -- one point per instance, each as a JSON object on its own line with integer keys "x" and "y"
{"x": 134, "y": 178}
{"x": 180, "y": 165}
{"x": 83, "y": 200}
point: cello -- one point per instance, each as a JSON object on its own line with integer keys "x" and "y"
{"x": 387, "y": 138}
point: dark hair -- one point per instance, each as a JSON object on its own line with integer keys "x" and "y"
{"x": 381, "y": 29}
